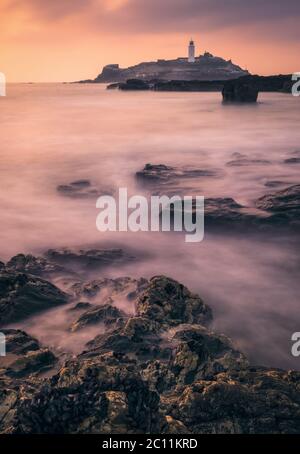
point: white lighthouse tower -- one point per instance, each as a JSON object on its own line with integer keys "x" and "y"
{"x": 191, "y": 58}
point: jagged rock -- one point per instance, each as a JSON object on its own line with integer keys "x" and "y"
{"x": 170, "y": 303}
{"x": 81, "y": 306}
{"x": 24, "y": 356}
{"x": 105, "y": 287}
{"x": 161, "y": 372}
{"x": 202, "y": 354}
{"x": 18, "y": 342}
{"x": 88, "y": 258}
{"x": 281, "y": 201}
{"x": 90, "y": 396}
{"x": 22, "y": 295}
{"x": 109, "y": 315}
{"x": 240, "y": 91}
{"x": 31, "y": 362}
{"x": 2, "y": 266}
{"x": 251, "y": 401}
{"x": 30, "y": 264}
{"x": 163, "y": 173}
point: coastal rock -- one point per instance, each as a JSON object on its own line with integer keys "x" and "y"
{"x": 241, "y": 162}
{"x": 109, "y": 315}
{"x": 134, "y": 84}
{"x": 38, "y": 266}
{"x": 106, "y": 288}
{"x": 24, "y": 356}
{"x": 292, "y": 161}
{"x": 163, "y": 173}
{"x": 161, "y": 372}
{"x": 97, "y": 395}
{"x": 201, "y": 354}
{"x": 286, "y": 200}
{"x": 18, "y": 342}
{"x": 22, "y": 295}
{"x": 240, "y": 91}
{"x": 170, "y": 303}
{"x": 87, "y": 258}
{"x": 81, "y": 189}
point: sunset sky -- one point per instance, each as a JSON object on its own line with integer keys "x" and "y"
{"x": 64, "y": 40}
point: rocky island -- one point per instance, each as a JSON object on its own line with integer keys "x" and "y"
{"x": 205, "y": 68}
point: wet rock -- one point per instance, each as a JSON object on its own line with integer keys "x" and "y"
{"x": 24, "y": 356}
{"x": 22, "y": 295}
{"x": 292, "y": 161}
{"x": 251, "y": 401}
{"x": 281, "y": 201}
{"x": 109, "y": 315}
{"x": 31, "y": 362}
{"x": 81, "y": 189}
{"x": 170, "y": 303}
{"x": 38, "y": 266}
{"x": 134, "y": 84}
{"x": 162, "y": 371}
{"x": 87, "y": 258}
{"x": 201, "y": 354}
{"x": 91, "y": 396}
{"x": 275, "y": 183}
{"x": 162, "y": 173}
{"x": 81, "y": 306}
{"x": 18, "y": 342}
{"x": 105, "y": 288}
{"x": 240, "y": 162}
{"x": 239, "y": 91}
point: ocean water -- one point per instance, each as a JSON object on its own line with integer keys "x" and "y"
{"x": 53, "y": 134}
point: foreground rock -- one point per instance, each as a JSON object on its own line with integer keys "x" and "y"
{"x": 22, "y": 295}
{"x": 24, "y": 356}
{"x": 161, "y": 371}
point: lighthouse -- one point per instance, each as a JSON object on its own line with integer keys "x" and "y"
{"x": 191, "y": 58}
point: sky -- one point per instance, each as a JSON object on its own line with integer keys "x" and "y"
{"x": 65, "y": 40}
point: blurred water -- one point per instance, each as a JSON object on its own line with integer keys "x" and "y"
{"x": 54, "y": 134}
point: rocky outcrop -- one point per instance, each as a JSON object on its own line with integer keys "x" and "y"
{"x": 22, "y": 295}
{"x": 169, "y": 304}
{"x": 38, "y": 266}
{"x": 162, "y": 173}
{"x": 134, "y": 84}
{"x": 239, "y": 91}
{"x": 109, "y": 315}
{"x": 24, "y": 356}
{"x": 162, "y": 371}
{"x": 87, "y": 258}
